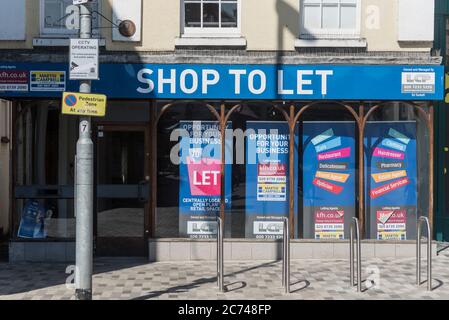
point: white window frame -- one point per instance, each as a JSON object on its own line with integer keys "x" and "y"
{"x": 327, "y": 33}
{"x": 211, "y": 32}
{"x": 61, "y": 32}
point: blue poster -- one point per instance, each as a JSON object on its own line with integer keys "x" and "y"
{"x": 32, "y": 223}
{"x": 200, "y": 178}
{"x": 267, "y": 178}
{"x": 328, "y": 178}
{"x": 391, "y": 179}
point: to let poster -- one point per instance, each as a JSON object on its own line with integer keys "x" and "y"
{"x": 267, "y": 178}
{"x": 391, "y": 179}
{"x": 200, "y": 178}
{"x": 328, "y": 178}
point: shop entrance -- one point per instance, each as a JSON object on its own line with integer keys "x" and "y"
{"x": 122, "y": 181}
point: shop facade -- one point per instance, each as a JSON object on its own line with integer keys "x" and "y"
{"x": 183, "y": 143}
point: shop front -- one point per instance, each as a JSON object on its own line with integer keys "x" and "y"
{"x": 182, "y": 144}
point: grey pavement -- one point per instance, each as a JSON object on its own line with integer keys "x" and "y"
{"x": 134, "y": 278}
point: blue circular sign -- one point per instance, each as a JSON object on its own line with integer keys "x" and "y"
{"x": 71, "y": 100}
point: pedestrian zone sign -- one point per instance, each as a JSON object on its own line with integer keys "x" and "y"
{"x": 84, "y": 104}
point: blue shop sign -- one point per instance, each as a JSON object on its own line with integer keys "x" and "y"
{"x": 224, "y": 81}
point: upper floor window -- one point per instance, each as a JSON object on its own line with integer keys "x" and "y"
{"x": 211, "y": 16}
{"x": 330, "y": 19}
{"x": 57, "y": 17}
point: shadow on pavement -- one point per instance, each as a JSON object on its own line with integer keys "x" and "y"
{"x": 24, "y": 277}
{"x": 198, "y": 282}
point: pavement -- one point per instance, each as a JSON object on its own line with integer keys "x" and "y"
{"x": 136, "y": 279}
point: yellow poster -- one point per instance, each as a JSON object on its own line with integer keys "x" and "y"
{"x": 329, "y": 235}
{"x": 271, "y": 192}
{"x": 338, "y": 177}
{"x": 84, "y": 104}
{"x": 385, "y": 176}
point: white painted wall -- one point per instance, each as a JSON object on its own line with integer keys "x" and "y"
{"x": 387, "y": 25}
{"x": 127, "y": 10}
{"x": 5, "y": 149}
{"x": 416, "y": 20}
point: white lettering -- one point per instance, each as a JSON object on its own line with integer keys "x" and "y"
{"x": 281, "y": 89}
{"x": 182, "y": 81}
{"x": 205, "y": 178}
{"x": 324, "y": 74}
{"x": 209, "y": 82}
{"x": 302, "y": 82}
{"x": 142, "y": 79}
{"x": 171, "y": 81}
{"x": 263, "y": 81}
{"x": 237, "y": 73}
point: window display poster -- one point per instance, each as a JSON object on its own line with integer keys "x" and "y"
{"x": 267, "y": 178}
{"x": 32, "y": 222}
{"x": 200, "y": 178}
{"x": 328, "y": 178}
{"x": 391, "y": 179}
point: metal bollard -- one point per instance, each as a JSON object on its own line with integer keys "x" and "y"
{"x": 422, "y": 220}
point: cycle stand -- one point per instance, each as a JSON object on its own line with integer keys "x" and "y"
{"x": 355, "y": 230}
{"x": 286, "y": 257}
{"x": 220, "y": 250}
{"x": 422, "y": 220}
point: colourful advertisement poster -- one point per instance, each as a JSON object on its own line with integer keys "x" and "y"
{"x": 200, "y": 178}
{"x": 328, "y": 179}
{"x": 13, "y": 80}
{"x": 391, "y": 179}
{"x": 391, "y": 223}
{"x": 267, "y": 178}
{"x": 329, "y": 223}
{"x": 47, "y": 81}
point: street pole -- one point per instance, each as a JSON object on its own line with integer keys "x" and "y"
{"x": 84, "y": 185}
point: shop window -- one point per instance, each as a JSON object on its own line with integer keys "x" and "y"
{"x": 173, "y": 211}
{"x": 326, "y": 173}
{"x": 210, "y": 17}
{"x": 396, "y": 171}
{"x": 57, "y": 18}
{"x": 329, "y": 19}
{"x": 44, "y": 172}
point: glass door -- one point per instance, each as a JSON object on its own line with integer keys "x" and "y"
{"x": 122, "y": 190}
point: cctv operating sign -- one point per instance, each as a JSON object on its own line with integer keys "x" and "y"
{"x": 84, "y": 59}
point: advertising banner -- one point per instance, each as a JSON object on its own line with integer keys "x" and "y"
{"x": 267, "y": 178}
{"x": 200, "y": 178}
{"x": 13, "y": 80}
{"x": 328, "y": 178}
{"x": 47, "y": 81}
{"x": 231, "y": 81}
{"x": 391, "y": 179}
